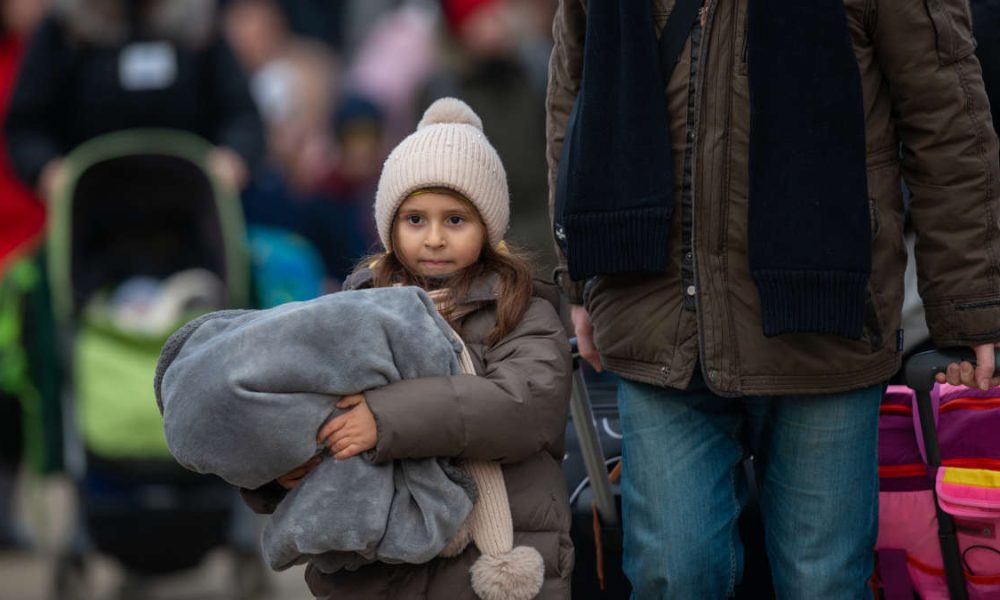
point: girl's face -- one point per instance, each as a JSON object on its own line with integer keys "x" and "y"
{"x": 437, "y": 234}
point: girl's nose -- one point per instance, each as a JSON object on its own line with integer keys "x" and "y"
{"x": 435, "y": 237}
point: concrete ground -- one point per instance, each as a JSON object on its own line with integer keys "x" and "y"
{"x": 46, "y": 507}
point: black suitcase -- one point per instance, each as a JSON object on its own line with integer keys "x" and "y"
{"x": 593, "y": 449}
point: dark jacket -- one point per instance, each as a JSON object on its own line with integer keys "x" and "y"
{"x": 923, "y": 91}
{"x": 514, "y": 412}
{"x": 69, "y": 91}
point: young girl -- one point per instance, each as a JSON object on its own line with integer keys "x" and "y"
{"x": 441, "y": 212}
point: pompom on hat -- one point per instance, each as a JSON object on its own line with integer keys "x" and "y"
{"x": 448, "y": 150}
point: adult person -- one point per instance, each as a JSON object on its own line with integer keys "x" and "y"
{"x": 97, "y": 66}
{"x": 735, "y": 254}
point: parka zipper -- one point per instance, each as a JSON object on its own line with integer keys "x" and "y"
{"x": 711, "y": 376}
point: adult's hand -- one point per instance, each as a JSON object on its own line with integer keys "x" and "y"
{"x": 53, "y": 175}
{"x": 983, "y": 376}
{"x": 227, "y": 166}
{"x": 584, "y": 331}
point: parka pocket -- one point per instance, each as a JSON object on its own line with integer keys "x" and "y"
{"x": 742, "y": 41}
{"x": 952, "y": 28}
{"x": 874, "y": 217}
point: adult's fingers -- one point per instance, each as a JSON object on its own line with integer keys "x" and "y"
{"x": 584, "y": 331}
{"x": 589, "y": 353}
{"x": 985, "y": 365}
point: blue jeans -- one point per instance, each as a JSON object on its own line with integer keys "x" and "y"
{"x": 683, "y": 487}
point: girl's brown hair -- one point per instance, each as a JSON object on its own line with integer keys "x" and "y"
{"x": 513, "y": 269}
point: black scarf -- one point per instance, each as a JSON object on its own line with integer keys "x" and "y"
{"x": 809, "y": 230}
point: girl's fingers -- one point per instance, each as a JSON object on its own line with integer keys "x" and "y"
{"x": 331, "y": 427}
{"x": 338, "y": 442}
{"x": 349, "y": 401}
{"x": 348, "y": 452}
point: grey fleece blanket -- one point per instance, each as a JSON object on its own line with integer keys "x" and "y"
{"x": 243, "y": 394}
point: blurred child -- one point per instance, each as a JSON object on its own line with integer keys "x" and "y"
{"x": 481, "y": 61}
{"x": 441, "y": 212}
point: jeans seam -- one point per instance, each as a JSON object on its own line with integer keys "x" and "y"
{"x": 731, "y": 586}
{"x": 734, "y": 522}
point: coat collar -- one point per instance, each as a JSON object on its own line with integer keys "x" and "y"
{"x": 482, "y": 291}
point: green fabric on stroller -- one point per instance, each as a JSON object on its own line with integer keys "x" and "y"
{"x": 116, "y": 410}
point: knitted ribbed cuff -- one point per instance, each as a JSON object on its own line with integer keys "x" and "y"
{"x": 812, "y": 302}
{"x": 631, "y": 240}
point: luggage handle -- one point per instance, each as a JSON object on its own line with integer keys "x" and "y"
{"x": 590, "y": 444}
{"x": 920, "y": 372}
{"x": 922, "y": 367}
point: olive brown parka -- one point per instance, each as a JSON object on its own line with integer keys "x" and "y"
{"x": 927, "y": 118}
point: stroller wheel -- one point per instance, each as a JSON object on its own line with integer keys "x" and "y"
{"x": 250, "y": 579}
{"x": 70, "y": 578}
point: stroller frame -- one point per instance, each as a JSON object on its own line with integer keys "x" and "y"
{"x": 232, "y": 259}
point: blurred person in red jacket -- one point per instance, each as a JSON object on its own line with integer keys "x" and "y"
{"x": 22, "y": 220}
{"x": 22, "y": 216}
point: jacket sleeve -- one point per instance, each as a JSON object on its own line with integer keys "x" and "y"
{"x": 565, "y": 71}
{"x": 515, "y": 408}
{"x": 32, "y": 128}
{"x": 950, "y": 163}
{"x": 239, "y": 125}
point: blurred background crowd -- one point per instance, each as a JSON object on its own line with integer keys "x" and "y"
{"x": 298, "y": 103}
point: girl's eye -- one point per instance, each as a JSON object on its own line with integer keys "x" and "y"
{"x": 456, "y": 220}
{"x": 413, "y": 219}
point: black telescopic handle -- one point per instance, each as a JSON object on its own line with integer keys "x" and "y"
{"x": 582, "y": 415}
{"x": 921, "y": 368}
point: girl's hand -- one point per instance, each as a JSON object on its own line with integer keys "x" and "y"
{"x": 292, "y": 478}
{"x": 351, "y": 433}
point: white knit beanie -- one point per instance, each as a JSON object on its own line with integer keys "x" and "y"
{"x": 448, "y": 150}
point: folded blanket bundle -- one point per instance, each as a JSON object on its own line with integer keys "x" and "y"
{"x": 243, "y": 394}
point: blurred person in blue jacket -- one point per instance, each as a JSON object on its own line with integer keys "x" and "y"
{"x": 97, "y": 66}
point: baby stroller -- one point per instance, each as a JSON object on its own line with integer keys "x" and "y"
{"x": 142, "y": 239}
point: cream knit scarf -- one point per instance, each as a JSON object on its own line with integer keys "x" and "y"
{"x": 503, "y": 572}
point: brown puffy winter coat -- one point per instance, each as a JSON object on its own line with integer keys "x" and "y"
{"x": 923, "y": 92}
{"x": 514, "y": 412}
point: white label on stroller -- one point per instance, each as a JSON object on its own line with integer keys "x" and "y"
{"x": 147, "y": 66}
